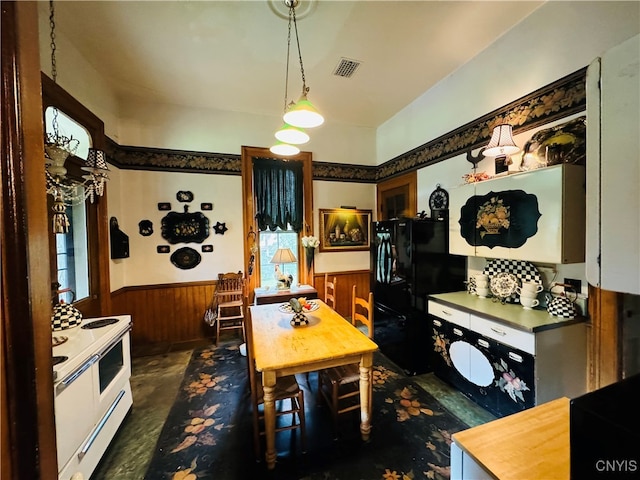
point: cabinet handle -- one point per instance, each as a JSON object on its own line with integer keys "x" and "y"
{"x": 483, "y": 343}
{"x": 498, "y": 331}
{"x": 515, "y": 356}
{"x": 437, "y": 323}
{"x": 446, "y": 313}
{"x": 457, "y": 332}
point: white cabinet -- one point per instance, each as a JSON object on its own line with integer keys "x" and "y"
{"x": 558, "y": 234}
{"x": 613, "y": 169}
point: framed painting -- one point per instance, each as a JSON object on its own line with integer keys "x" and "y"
{"x": 344, "y": 229}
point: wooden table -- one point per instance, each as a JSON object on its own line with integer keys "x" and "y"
{"x": 273, "y": 295}
{"x": 328, "y": 341}
{"x": 532, "y": 444}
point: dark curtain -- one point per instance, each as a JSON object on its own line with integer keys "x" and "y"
{"x": 278, "y": 188}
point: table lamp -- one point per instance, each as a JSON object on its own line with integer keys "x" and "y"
{"x": 283, "y": 255}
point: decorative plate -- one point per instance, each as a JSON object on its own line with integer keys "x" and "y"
{"x": 286, "y": 307}
{"x": 524, "y": 271}
{"x": 503, "y": 284}
{"x": 185, "y": 258}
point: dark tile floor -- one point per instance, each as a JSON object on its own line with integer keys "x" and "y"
{"x": 156, "y": 376}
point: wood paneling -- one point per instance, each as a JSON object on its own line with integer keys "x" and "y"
{"x": 388, "y": 193}
{"x": 605, "y": 338}
{"x": 165, "y": 314}
{"x": 28, "y": 428}
{"x": 345, "y": 282}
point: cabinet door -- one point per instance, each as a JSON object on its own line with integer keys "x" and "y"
{"x": 613, "y": 169}
{"x": 458, "y": 197}
{"x": 515, "y": 386}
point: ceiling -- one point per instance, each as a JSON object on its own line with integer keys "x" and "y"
{"x": 231, "y": 55}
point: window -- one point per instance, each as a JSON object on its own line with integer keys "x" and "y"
{"x": 72, "y": 262}
{"x": 269, "y": 243}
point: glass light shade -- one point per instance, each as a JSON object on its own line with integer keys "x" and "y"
{"x": 501, "y": 142}
{"x": 283, "y": 255}
{"x": 292, "y": 135}
{"x": 284, "y": 149}
{"x": 303, "y": 114}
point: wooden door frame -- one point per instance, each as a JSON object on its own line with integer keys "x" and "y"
{"x": 28, "y": 422}
{"x": 248, "y": 210}
{"x": 409, "y": 180}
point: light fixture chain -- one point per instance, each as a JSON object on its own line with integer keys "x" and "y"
{"x": 54, "y": 67}
{"x": 286, "y": 80}
{"x": 295, "y": 25}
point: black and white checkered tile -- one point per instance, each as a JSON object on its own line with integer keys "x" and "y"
{"x": 524, "y": 271}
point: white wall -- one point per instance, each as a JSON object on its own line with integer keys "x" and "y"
{"x": 134, "y": 196}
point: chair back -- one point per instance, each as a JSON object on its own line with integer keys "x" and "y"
{"x": 330, "y": 291}
{"x": 230, "y": 286}
{"x": 362, "y": 312}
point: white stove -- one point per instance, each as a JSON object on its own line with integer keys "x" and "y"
{"x": 92, "y": 391}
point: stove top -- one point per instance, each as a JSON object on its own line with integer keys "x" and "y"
{"x": 103, "y": 322}
{"x": 83, "y": 343}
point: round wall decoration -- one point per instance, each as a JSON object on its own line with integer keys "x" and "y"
{"x": 185, "y": 258}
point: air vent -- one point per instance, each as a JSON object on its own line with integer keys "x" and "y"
{"x": 346, "y": 68}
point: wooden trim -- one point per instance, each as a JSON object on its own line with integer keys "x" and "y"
{"x": 605, "y": 338}
{"x": 26, "y": 304}
{"x": 99, "y": 301}
{"x": 409, "y": 180}
{"x": 249, "y": 213}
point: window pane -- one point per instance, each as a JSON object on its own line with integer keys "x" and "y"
{"x": 72, "y": 255}
{"x": 69, "y": 128}
{"x": 269, "y": 243}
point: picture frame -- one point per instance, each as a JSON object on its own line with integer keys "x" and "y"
{"x": 344, "y": 229}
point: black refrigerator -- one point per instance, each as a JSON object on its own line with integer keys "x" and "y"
{"x": 410, "y": 260}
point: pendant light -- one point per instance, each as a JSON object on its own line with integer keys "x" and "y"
{"x": 301, "y": 114}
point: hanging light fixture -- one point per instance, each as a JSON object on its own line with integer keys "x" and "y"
{"x": 65, "y": 190}
{"x": 302, "y": 114}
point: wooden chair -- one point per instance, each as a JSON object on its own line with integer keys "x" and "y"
{"x": 330, "y": 291}
{"x": 340, "y": 386}
{"x": 286, "y": 388}
{"x": 230, "y": 301}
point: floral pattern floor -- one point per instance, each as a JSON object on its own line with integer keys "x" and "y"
{"x": 208, "y": 433}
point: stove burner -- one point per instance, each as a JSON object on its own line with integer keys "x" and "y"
{"x": 103, "y": 322}
{"x": 59, "y": 359}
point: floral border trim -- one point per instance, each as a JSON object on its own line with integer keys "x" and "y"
{"x": 547, "y": 104}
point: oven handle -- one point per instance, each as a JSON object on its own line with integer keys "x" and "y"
{"x": 64, "y": 383}
{"x": 98, "y": 429}
{"x": 113, "y": 343}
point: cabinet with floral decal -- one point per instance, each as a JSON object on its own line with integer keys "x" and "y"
{"x": 537, "y": 216}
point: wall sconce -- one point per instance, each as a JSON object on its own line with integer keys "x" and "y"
{"x": 501, "y": 146}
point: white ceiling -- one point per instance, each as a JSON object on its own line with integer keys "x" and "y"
{"x": 231, "y": 55}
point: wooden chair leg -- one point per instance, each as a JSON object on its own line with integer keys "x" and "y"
{"x": 301, "y": 417}
{"x": 334, "y": 401}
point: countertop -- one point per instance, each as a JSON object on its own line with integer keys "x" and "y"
{"x": 533, "y": 444}
{"x": 511, "y": 314}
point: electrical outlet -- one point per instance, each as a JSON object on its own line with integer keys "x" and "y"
{"x": 576, "y": 284}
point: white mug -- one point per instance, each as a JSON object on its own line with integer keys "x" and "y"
{"x": 529, "y": 303}
{"x": 481, "y": 277}
{"x": 482, "y": 292}
{"x": 531, "y": 286}
{"x": 482, "y": 284}
{"x": 527, "y": 293}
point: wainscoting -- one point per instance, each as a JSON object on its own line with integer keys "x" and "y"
{"x": 165, "y": 314}
{"x": 345, "y": 282}
{"x": 170, "y": 314}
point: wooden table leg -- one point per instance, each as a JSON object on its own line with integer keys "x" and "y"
{"x": 365, "y": 395}
{"x": 268, "y": 383}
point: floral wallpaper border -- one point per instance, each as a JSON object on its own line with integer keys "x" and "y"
{"x": 555, "y": 101}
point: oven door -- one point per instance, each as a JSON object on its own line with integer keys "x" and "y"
{"x": 112, "y": 372}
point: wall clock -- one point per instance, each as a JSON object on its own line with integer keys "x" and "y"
{"x": 439, "y": 202}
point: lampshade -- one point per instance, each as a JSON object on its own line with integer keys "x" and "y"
{"x": 501, "y": 142}
{"x": 303, "y": 114}
{"x": 292, "y": 135}
{"x": 281, "y": 148}
{"x": 283, "y": 255}
{"x": 96, "y": 160}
